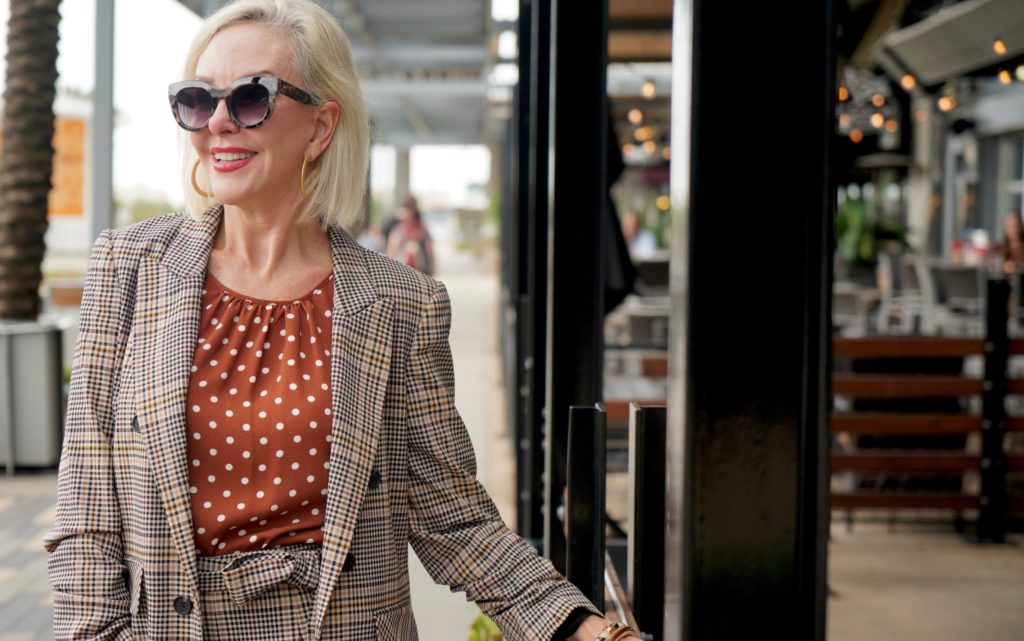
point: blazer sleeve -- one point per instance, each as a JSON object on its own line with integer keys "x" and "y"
{"x": 86, "y": 550}
{"x": 457, "y": 531}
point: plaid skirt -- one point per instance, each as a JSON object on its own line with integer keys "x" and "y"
{"x": 263, "y": 594}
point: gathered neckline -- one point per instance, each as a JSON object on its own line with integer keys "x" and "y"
{"x": 266, "y": 301}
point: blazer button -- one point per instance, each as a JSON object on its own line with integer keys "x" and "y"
{"x": 374, "y": 480}
{"x": 350, "y": 562}
{"x": 183, "y": 605}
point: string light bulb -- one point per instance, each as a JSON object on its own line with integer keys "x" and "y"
{"x": 1004, "y": 76}
{"x": 649, "y": 89}
{"x": 845, "y": 120}
{"x": 891, "y": 126}
{"x": 644, "y": 133}
{"x": 856, "y": 135}
{"x": 878, "y": 100}
{"x": 1019, "y": 72}
{"x": 636, "y": 116}
{"x": 999, "y": 46}
{"x": 844, "y": 94}
{"x": 908, "y": 81}
{"x": 666, "y": 153}
{"x": 877, "y": 120}
{"x": 947, "y": 103}
{"x": 628, "y": 148}
{"x": 650, "y": 147}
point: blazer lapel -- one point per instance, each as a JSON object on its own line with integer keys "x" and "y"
{"x": 167, "y": 314}
{"x": 360, "y": 365}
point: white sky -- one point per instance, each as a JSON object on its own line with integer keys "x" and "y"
{"x": 151, "y": 38}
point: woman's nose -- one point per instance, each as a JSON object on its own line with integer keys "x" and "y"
{"x": 221, "y": 121}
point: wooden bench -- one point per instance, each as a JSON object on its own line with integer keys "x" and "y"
{"x": 992, "y": 502}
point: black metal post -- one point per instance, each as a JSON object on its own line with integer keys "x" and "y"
{"x": 578, "y": 196}
{"x": 586, "y": 465}
{"x": 646, "y": 542}
{"x": 534, "y": 312}
{"x": 748, "y": 389}
{"x": 517, "y": 396}
{"x": 992, "y": 501}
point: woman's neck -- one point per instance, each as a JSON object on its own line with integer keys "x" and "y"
{"x": 263, "y": 246}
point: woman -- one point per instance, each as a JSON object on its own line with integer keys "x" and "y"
{"x": 260, "y": 418}
{"x": 409, "y": 242}
{"x": 1013, "y": 241}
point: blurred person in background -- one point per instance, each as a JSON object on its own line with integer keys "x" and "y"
{"x": 261, "y": 415}
{"x": 410, "y": 244}
{"x": 641, "y": 242}
{"x": 373, "y": 238}
{"x": 408, "y": 205}
{"x": 1013, "y": 241}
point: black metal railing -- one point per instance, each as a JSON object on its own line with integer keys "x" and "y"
{"x": 588, "y": 564}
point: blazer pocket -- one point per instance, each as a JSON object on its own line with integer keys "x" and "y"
{"x": 137, "y": 596}
{"x": 396, "y": 623}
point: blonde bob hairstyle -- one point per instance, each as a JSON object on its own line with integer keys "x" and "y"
{"x": 322, "y": 57}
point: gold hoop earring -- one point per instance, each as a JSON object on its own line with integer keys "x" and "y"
{"x": 302, "y": 178}
{"x": 195, "y": 185}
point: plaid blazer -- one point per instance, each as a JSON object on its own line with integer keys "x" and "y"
{"x": 122, "y": 561}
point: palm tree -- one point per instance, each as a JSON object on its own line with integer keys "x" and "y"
{"x": 27, "y": 159}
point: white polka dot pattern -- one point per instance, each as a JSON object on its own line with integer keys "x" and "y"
{"x": 258, "y": 380}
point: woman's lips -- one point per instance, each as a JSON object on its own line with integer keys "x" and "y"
{"x": 225, "y": 160}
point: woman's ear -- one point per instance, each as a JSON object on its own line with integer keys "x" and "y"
{"x": 327, "y": 116}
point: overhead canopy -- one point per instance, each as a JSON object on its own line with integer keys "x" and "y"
{"x": 431, "y": 71}
{"x": 956, "y": 41}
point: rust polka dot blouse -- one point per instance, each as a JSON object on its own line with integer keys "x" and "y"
{"x": 259, "y": 416}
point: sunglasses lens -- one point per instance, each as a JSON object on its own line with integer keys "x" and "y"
{"x": 250, "y": 104}
{"x": 195, "y": 107}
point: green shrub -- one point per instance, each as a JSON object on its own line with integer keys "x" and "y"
{"x": 483, "y": 629}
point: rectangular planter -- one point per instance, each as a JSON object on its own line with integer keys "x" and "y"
{"x": 31, "y": 394}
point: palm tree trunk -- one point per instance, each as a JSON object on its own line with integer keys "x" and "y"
{"x": 27, "y": 159}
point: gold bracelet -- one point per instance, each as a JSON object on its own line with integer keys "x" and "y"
{"x": 622, "y": 633}
{"x": 614, "y": 630}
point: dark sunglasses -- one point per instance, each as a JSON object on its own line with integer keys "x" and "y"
{"x": 250, "y": 100}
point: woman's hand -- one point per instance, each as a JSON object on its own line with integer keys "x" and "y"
{"x": 591, "y": 627}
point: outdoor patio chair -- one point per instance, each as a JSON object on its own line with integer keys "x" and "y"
{"x": 960, "y": 300}
{"x": 902, "y": 306}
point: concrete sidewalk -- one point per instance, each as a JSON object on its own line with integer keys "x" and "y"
{"x": 27, "y": 499}
{"x": 923, "y": 582}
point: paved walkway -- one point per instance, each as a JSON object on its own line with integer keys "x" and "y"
{"x": 923, "y": 583}
{"x": 27, "y": 499}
